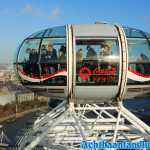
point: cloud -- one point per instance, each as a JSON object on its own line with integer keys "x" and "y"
{"x": 54, "y": 14}
{"x": 28, "y": 8}
{"x": 32, "y": 10}
{"x": 38, "y": 12}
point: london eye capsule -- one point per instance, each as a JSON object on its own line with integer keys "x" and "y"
{"x": 92, "y": 63}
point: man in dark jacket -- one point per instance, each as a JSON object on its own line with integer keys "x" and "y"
{"x": 51, "y": 59}
{"x": 51, "y": 53}
{"x": 91, "y": 54}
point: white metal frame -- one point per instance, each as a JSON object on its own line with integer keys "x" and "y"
{"x": 63, "y": 128}
{"x": 123, "y": 62}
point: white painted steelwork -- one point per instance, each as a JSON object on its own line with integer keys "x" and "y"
{"x": 65, "y": 128}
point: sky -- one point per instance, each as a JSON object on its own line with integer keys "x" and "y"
{"x": 20, "y": 18}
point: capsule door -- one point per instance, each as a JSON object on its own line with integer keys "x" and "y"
{"x": 97, "y": 63}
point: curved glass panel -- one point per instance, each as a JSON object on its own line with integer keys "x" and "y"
{"x": 37, "y": 34}
{"x": 139, "y": 61}
{"x": 97, "y": 62}
{"x": 133, "y": 33}
{"x": 27, "y": 62}
{"x": 47, "y": 66}
{"x": 148, "y": 35}
{"x": 56, "y": 32}
{"x": 53, "y": 61}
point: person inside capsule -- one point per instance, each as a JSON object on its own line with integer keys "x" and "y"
{"x": 62, "y": 63}
{"x": 44, "y": 67}
{"x": 51, "y": 58}
{"x": 51, "y": 53}
{"x": 31, "y": 62}
{"x": 48, "y": 60}
{"x": 104, "y": 52}
{"x": 79, "y": 55}
{"x": 33, "y": 59}
{"x": 25, "y": 67}
{"x": 43, "y": 53}
{"x": 143, "y": 65}
{"x": 62, "y": 57}
{"x": 91, "y": 56}
{"x": 79, "y": 59}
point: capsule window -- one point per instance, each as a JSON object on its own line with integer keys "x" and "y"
{"x": 53, "y": 61}
{"x": 97, "y": 62}
{"x": 139, "y": 60}
{"x": 27, "y": 63}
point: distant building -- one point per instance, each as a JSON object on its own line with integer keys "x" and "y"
{"x": 7, "y": 73}
{"x": 7, "y": 98}
{"x": 24, "y": 96}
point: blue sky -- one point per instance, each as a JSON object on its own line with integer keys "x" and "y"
{"x": 20, "y": 18}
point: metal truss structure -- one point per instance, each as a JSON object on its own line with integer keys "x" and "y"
{"x": 3, "y": 139}
{"x": 64, "y": 128}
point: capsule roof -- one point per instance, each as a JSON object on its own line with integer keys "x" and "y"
{"x": 58, "y": 31}
{"x": 90, "y": 30}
